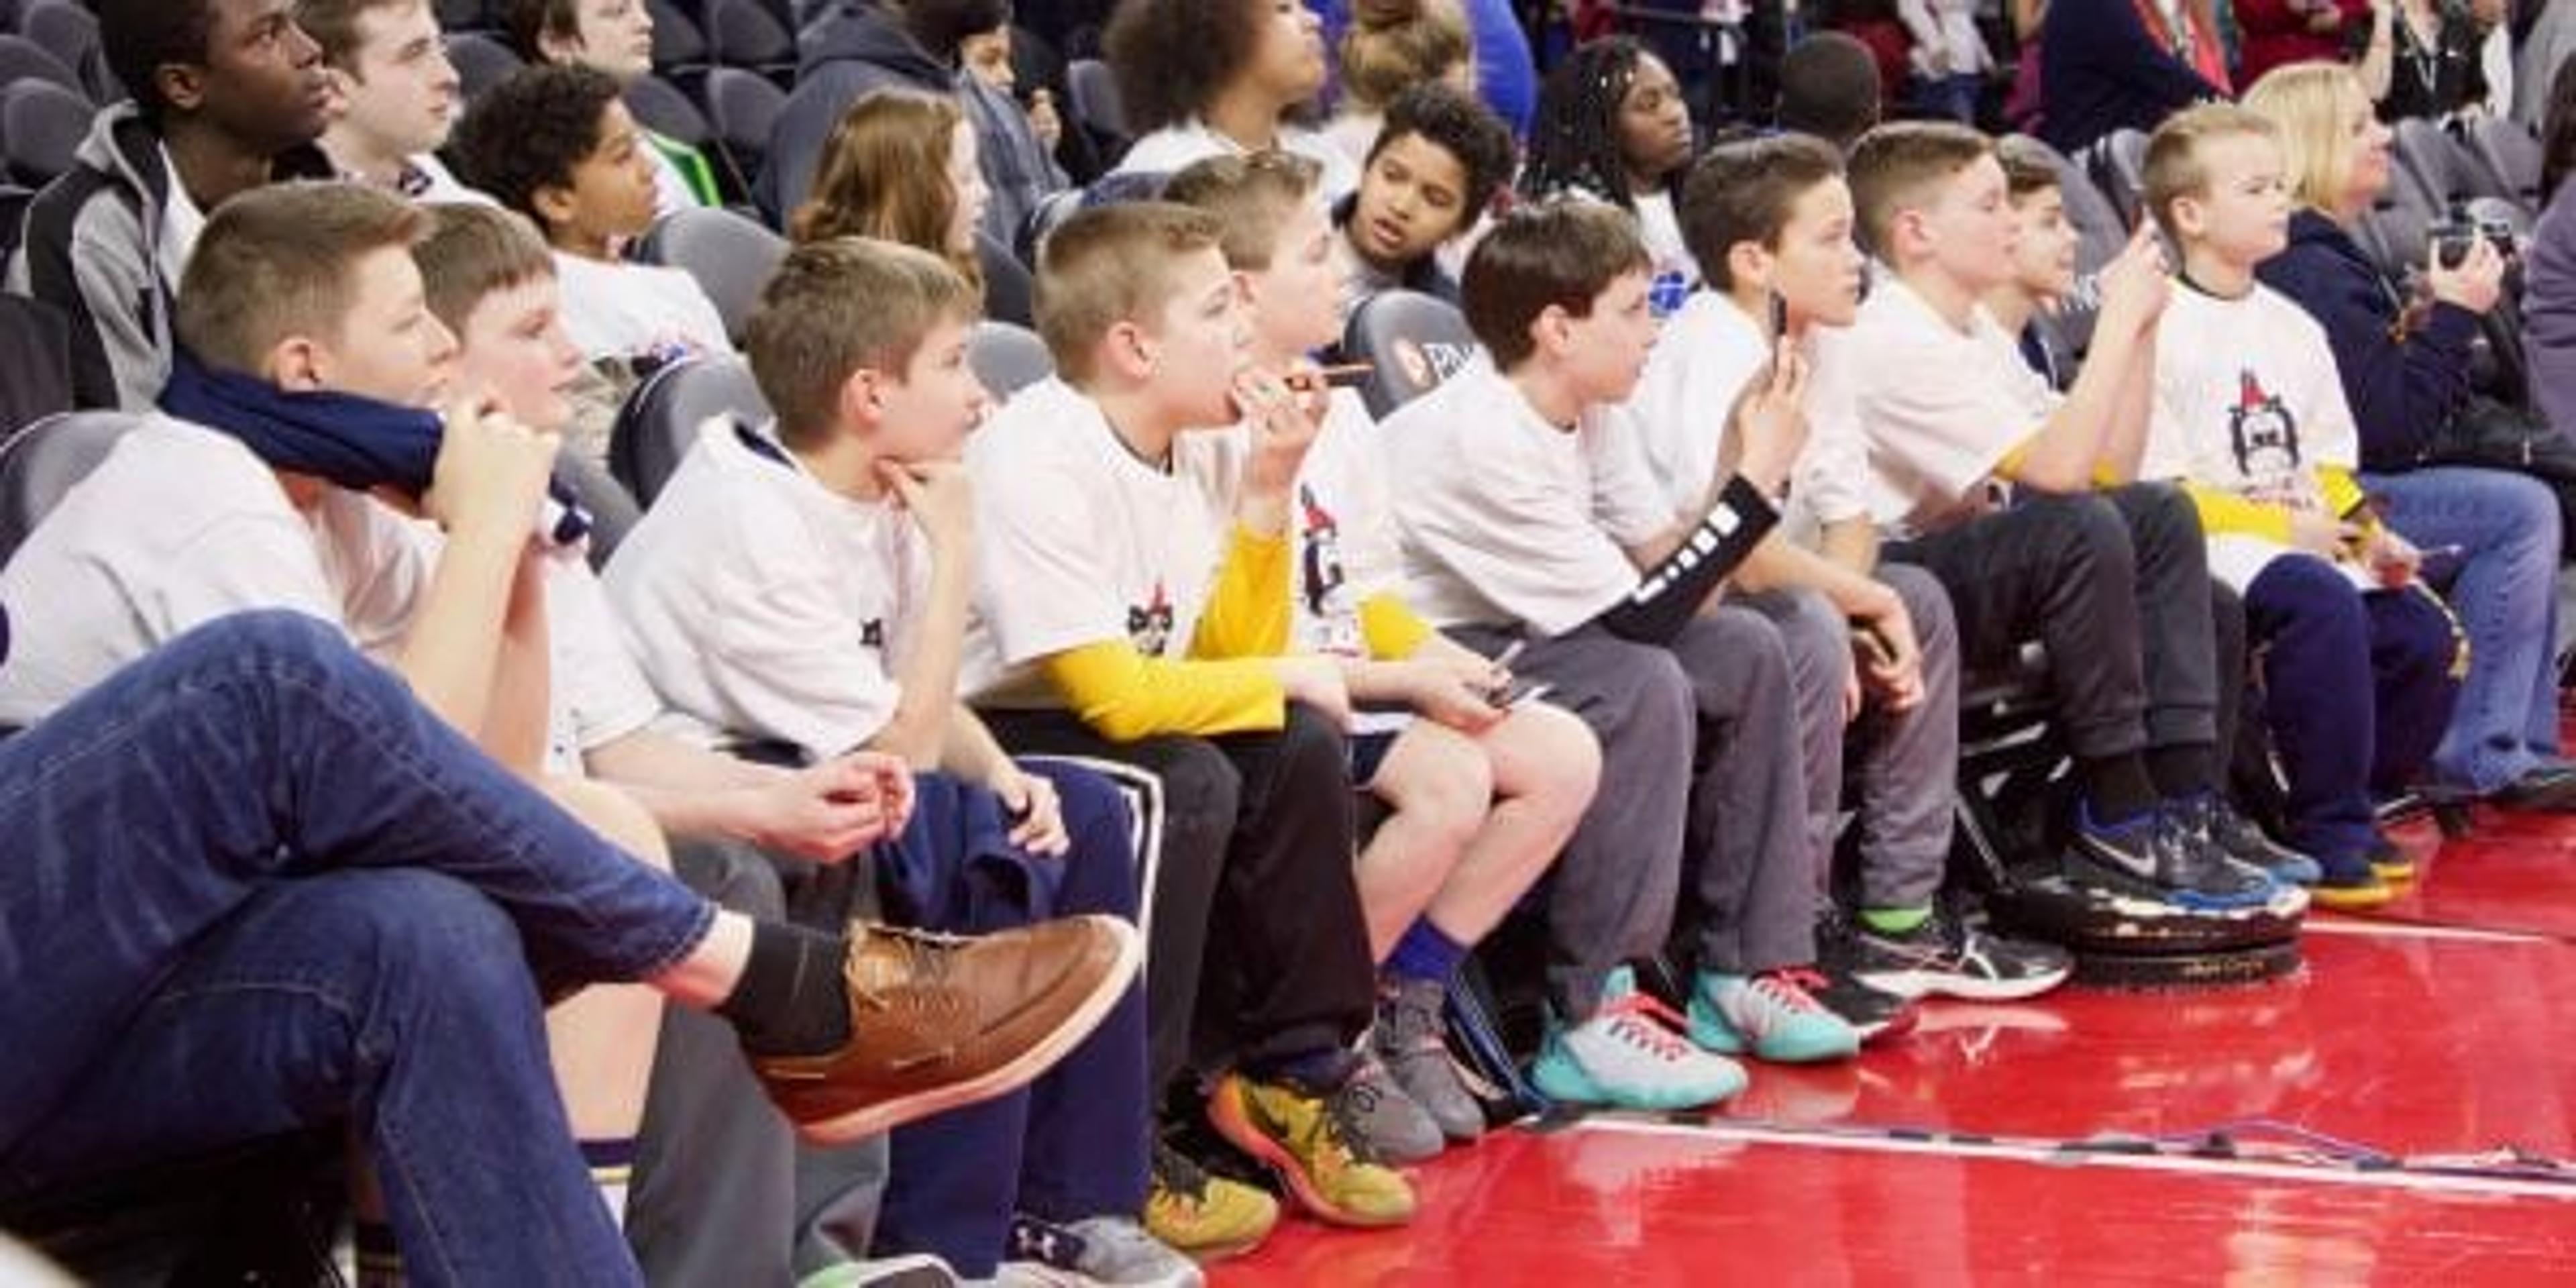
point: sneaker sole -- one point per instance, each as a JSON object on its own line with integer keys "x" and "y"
{"x": 1227, "y": 1115}
{"x": 2130, "y": 883}
{"x": 1002, "y": 1079}
{"x": 1915, "y": 985}
{"x": 1576, "y": 1087}
{"x": 2350, "y": 900}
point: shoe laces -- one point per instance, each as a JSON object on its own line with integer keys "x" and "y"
{"x": 917, "y": 978}
{"x": 1792, "y": 988}
{"x": 1641, "y": 1021}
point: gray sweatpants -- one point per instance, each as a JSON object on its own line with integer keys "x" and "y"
{"x": 723, "y": 1194}
{"x": 1908, "y": 761}
{"x": 1692, "y": 768}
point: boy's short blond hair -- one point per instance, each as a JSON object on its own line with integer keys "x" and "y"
{"x": 473, "y": 250}
{"x": 1253, "y": 196}
{"x": 277, "y": 262}
{"x": 2306, "y": 102}
{"x": 840, "y": 306}
{"x": 2177, "y": 162}
{"x": 1113, "y": 264}
{"x": 1898, "y": 166}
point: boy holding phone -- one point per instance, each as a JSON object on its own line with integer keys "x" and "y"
{"x": 1770, "y": 221}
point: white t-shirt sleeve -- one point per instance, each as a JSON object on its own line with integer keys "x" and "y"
{"x": 602, "y": 687}
{"x": 1626, "y": 500}
{"x": 1830, "y": 482}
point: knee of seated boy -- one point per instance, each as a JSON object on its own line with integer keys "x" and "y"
{"x": 1544, "y": 753}
{"x": 1437, "y": 777}
{"x": 613, "y": 814}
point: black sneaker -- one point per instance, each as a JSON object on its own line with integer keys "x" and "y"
{"x": 2160, "y": 856}
{"x": 1872, "y": 1012}
{"x": 2246, "y": 843}
{"x": 1945, "y": 958}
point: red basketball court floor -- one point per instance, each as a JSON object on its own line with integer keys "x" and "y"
{"x": 2018, "y": 1143}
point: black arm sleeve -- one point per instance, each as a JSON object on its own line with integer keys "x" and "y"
{"x": 1672, "y": 591}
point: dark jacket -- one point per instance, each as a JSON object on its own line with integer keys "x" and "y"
{"x": 2403, "y": 391}
{"x": 2106, "y": 72}
{"x": 857, "y": 50}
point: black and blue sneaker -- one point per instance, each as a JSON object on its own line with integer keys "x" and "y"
{"x": 2162, "y": 855}
{"x": 2244, "y": 841}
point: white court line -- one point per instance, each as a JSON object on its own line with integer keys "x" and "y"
{"x": 2248, "y": 1169}
{"x": 2370, "y": 929}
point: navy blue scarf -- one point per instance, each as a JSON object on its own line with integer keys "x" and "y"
{"x": 357, "y": 443}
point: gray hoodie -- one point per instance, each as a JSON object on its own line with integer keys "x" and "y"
{"x": 92, "y": 248}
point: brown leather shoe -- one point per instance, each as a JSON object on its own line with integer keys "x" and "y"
{"x": 939, "y": 1021}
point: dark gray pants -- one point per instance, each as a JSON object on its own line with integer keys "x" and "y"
{"x": 1909, "y": 760}
{"x": 723, "y": 1194}
{"x": 1693, "y": 765}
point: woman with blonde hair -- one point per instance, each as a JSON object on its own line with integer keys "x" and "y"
{"x": 900, "y": 167}
{"x": 2405, "y": 369}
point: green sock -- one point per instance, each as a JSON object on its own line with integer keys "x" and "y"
{"x": 1894, "y": 921}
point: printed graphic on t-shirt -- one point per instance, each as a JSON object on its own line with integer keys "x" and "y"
{"x": 872, "y": 634}
{"x": 2265, "y": 439}
{"x": 1149, "y": 625}
{"x": 1323, "y": 585}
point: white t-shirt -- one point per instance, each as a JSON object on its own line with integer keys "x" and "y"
{"x": 1172, "y": 148}
{"x": 1940, "y": 407}
{"x": 1683, "y": 412}
{"x": 2255, "y": 415}
{"x": 181, "y": 525}
{"x": 627, "y": 310}
{"x": 1508, "y": 519}
{"x": 1344, "y": 526}
{"x": 182, "y": 222}
{"x": 764, "y": 605}
{"x": 1676, "y": 269}
{"x": 1078, "y": 541}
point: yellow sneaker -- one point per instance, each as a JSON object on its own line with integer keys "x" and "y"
{"x": 1305, "y": 1142}
{"x": 1204, "y": 1217}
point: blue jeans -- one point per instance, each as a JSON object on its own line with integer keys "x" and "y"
{"x": 2506, "y": 526}
{"x": 252, "y": 886}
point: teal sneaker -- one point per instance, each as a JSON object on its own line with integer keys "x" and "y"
{"x": 1631, "y": 1055}
{"x": 1772, "y": 1015}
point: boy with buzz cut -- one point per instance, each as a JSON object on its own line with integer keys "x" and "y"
{"x": 1438, "y": 160}
{"x": 1526, "y": 520}
{"x": 2258, "y": 432}
{"x": 1770, "y": 221}
{"x": 556, "y": 143}
{"x": 1132, "y": 606}
{"x": 806, "y": 583}
{"x": 1982, "y": 475}
{"x": 1481, "y": 790}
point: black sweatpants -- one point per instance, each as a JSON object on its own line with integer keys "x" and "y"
{"x": 2116, "y": 585}
{"x": 1256, "y": 948}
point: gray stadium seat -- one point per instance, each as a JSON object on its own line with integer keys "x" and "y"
{"x": 659, "y": 106}
{"x": 660, "y": 421}
{"x": 1412, "y": 340}
{"x": 1010, "y": 295}
{"x": 41, "y": 128}
{"x": 22, "y": 59}
{"x": 1007, "y": 358}
{"x": 679, "y": 42}
{"x": 731, "y": 256}
{"x": 2511, "y": 154}
{"x": 1096, "y": 106}
{"x": 2119, "y": 164}
{"x": 481, "y": 62}
{"x": 745, "y": 33}
{"x": 742, "y": 108}
{"x": 44, "y": 460}
{"x": 69, "y": 32}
